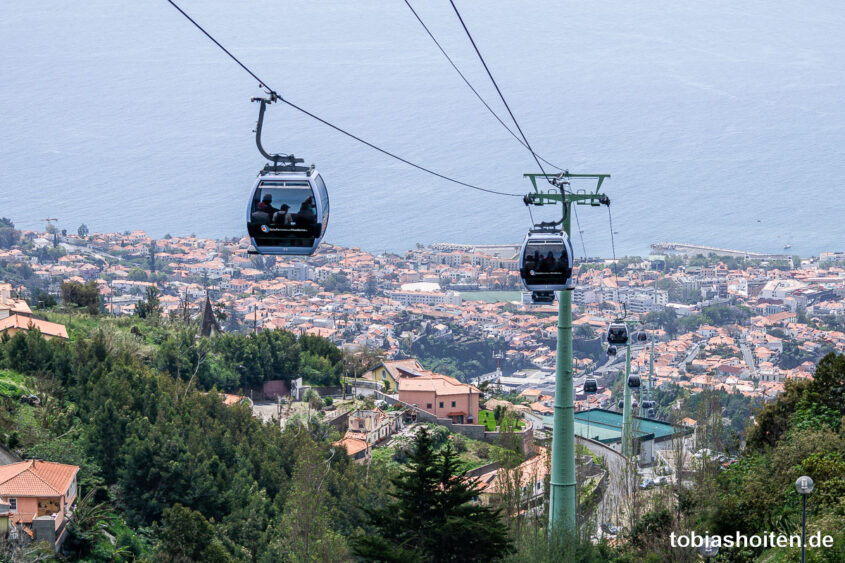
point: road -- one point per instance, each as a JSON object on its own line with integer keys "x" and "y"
{"x": 616, "y": 490}
{"x": 749, "y": 359}
{"x": 692, "y": 355}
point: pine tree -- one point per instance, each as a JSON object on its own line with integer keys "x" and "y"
{"x": 433, "y": 518}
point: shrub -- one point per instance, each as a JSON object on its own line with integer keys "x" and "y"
{"x": 460, "y": 443}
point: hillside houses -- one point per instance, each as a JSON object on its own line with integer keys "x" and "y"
{"x": 356, "y": 299}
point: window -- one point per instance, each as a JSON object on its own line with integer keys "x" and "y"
{"x": 453, "y": 403}
{"x": 71, "y": 491}
{"x": 324, "y": 195}
{"x": 428, "y": 405}
{"x": 271, "y": 195}
{"x": 13, "y": 504}
{"x": 441, "y": 404}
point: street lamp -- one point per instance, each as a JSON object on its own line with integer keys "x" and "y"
{"x": 708, "y": 550}
{"x": 804, "y": 485}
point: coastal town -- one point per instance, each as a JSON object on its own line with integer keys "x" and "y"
{"x": 739, "y": 324}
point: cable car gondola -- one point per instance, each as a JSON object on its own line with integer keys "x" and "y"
{"x": 611, "y": 351}
{"x": 634, "y": 381}
{"x": 288, "y": 210}
{"x": 617, "y": 333}
{"x": 545, "y": 262}
{"x": 651, "y": 413}
{"x": 648, "y": 404}
{"x": 620, "y": 404}
{"x": 590, "y": 386}
{"x": 642, "y": 336}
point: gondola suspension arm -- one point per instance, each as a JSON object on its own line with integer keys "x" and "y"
{"x": 288, "y": 159}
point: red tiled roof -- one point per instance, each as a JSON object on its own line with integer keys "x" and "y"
{"x": 352, "y": 445}
{"x": 28, "y": 323}
{"x": 35, "y": 478}
{"x": 435, "y": 382}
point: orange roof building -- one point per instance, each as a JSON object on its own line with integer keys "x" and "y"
{"x": 36, "y": 498}
{"x": 13, "y": 324}
{"x": 442, "y": 396}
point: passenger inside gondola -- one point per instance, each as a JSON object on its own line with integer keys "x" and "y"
{"x": 530, "y": 262}
{"x": 266, "y": 204}
{"x": 548, "y": 263}
{"x": 282, "y": 217}
{"x": 306, "y": 215}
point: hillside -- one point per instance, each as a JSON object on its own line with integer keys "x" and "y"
{"x": 164, "y": 462}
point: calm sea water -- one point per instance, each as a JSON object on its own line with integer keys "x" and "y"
{"x": 721, "y": 122}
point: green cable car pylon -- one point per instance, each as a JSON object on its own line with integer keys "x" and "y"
{"x": 562, "y": 502}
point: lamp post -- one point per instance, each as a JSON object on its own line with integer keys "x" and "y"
{"x": 804, "y": 485}
{"x": 708, "y": 550}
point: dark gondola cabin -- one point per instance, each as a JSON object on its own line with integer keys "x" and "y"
{"x": 648, "y": 404}
{"x": 590, "y": 386}
{"x": 617, "y": 334}
{"x": 651, "y": 413}
{"x": 288, "y": 212}
{"x": 634, "y": 381}
{"x": 611, "y": 351}
{"x": 621, "y": 404}
{"x": 642, "y": 336}
{"x": 545, "y": 263}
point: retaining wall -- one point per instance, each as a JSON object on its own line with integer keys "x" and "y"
{"x": 474, "y": 431}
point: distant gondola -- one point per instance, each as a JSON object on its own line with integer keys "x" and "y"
{"x": 634, "y": 381}
{"x": 590, "y": 386}
{"x": 617, "y": 334}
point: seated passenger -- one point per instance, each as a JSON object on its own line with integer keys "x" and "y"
{"x": 265, "y": 205}
{"x": 261, "y": 217}
{"x": 548, "y": 263}
{"x": 282, "y": 217}
{"x": 306, "y": 215}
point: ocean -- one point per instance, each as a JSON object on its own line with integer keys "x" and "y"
{"x": 721, "y": 123}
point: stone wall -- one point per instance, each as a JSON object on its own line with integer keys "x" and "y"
{"x": 473, "y": 431}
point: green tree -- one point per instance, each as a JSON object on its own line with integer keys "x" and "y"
{"x": 152, "y": 257}
{"x": 86, "y": 296}
{"x": 186, "y": 536}
{"x": 150, "y": 306}
{"x": 88, "y": 526}
{"x": 53, "y": 231}
{"x": 82, "y": 231}
{"x": 306, "y": 531}
{"x": 137, "y": 274}
{"x": 432, "y": 517}
{"x": 9, "y": 236}
{"x": 43, "y": 300}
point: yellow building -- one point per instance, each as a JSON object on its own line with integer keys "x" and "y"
{"x": 389, "y": 372}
